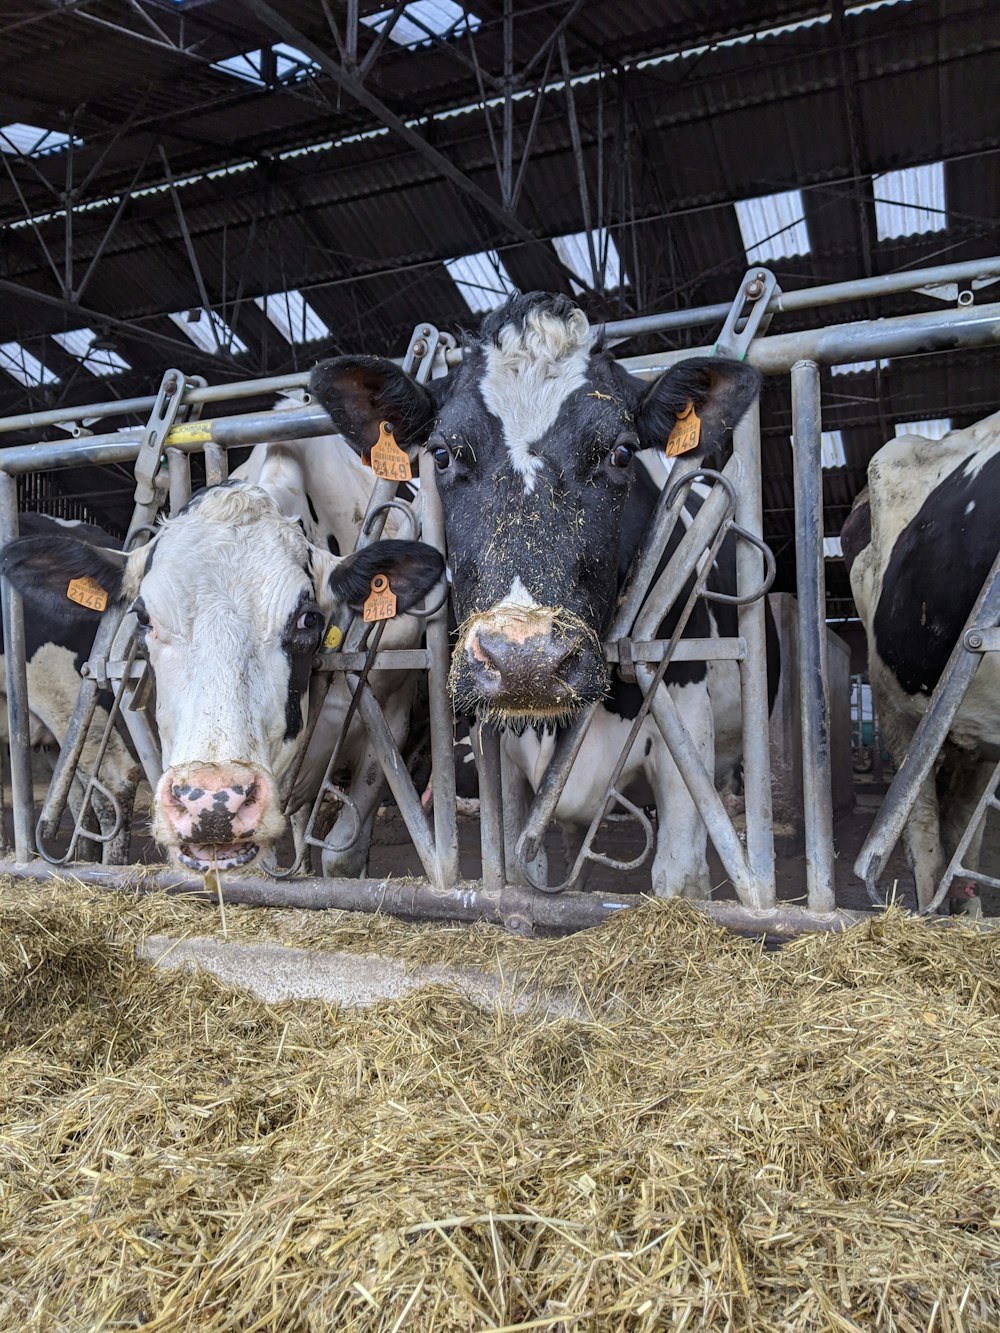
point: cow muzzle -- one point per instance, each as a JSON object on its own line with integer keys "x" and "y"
{"x": 526, "y": 665}
{"x": 214, "y": 816}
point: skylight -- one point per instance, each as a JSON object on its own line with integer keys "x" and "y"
{"x": 199, "y": 330}
{"x": 98, "y": 360}
{"x": 292, "y": 316}
{"x": 832, "y": 548}
{"x": 910, "y": 201}
{"x": 856, "y": 367}
{"x": 934, "y": 429}
{"x": 773, "y": 226}
{"x": 574, "y": 252}
{"x": 32, "y": 141}
{"x": 423, "y": 20}
{"x": 482, "y": 279}
{"x": 290, "y": 64}
{"x": 25, "y": 368}
{"x": 831, "y": 452}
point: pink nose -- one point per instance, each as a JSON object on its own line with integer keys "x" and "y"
{"x": 214, "y": 807}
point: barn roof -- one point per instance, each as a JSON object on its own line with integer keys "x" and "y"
{"x": 308, "y": 187}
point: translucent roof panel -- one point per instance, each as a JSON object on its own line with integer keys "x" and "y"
{"x": 32, "y": 141}
{"x": 574, "y": 251}
{"x": 934, "y": 429}
{"x": 289, "y": 64}
{"x": 856, "y": 367}
{"x": 832, "y": 548}
{"x": 292, "y": 316}
{"x": 910, "y": 201}
{"x": 831, "y": 450}
{"x": 482, "y": 279}
{"x": 773, "y": 226}
{"x": 199, "y": 330}
{"x": 423, "y": 20}
{"x": 99, "y": 361}
{"x": 25, "y": 368}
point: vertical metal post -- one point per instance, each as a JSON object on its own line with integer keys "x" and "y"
{"x": 179, "y": 474}
{"x": 216, "y": 464}
{"x": 817, "y": 787}
{"x": 19, "y": 720}
{"x": 753, "y": 667}
{"x": 439, "y": 706}
{"x": 486, "y": 741}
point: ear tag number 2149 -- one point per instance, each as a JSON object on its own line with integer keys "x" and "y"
{"x": 389, "y": 461}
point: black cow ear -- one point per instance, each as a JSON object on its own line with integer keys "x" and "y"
{"x": 412, "y": 569}
{"x": 361, "y": 391}
{"x": 63, "y": 577}
{"x": 717, "y": 389}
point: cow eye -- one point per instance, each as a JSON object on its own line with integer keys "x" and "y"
{"x": 621, "y": 454}
{"x": 308, "y": 620}
{"x": 441, "y": 456}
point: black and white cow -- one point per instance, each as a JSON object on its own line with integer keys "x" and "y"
{"x": 232, "y": 600}
{"x": 535, "y": 437}
{"x": 918, "y": 547}
{"x": 58, "y": 638}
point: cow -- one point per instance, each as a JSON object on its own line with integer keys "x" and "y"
{"x": 231, "y": 600}
{"x": 535, "y": 437}
{"x": 918, "y": 545}
{"x": 58, "y": 638}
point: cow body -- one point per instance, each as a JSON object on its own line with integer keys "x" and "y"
{"x": 918, "y": 550}
{"x": 57, "y": 643}
{"x": 533, "y": 437}
{"x": 231, "y": 600}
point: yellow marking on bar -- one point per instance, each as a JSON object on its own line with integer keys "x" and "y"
{"x": 193, "y": 432}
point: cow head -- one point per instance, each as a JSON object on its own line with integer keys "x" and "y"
{"x": 533, "y": 437}
{"x": 231, "y": 602}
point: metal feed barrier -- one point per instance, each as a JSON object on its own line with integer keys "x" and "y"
{"x": 174, "y": 431}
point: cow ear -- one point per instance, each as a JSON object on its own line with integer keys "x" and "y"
{"x": 719, "y": 390}
{"x": 361, "y": 391}
{"x": 412, "y": 569}
{"x": 63, "y": 577}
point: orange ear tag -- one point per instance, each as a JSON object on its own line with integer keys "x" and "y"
{"x": 381, "y": 605}
{"x": 87, "y": 592}
{"x": 686, "y": 433}
{"x": 388, "y": 460}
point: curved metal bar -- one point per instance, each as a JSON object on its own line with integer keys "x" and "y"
{"x": 702, "y": 474}
{"x": 770, "y": 569}
{"x": 438, "y": 605}
{"x": 93, "y": 784}
{"x": 405, "y": 509}
{"x": 587, "y": 853}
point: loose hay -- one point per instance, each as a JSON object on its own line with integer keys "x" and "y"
{"x": 734, "y": 1139}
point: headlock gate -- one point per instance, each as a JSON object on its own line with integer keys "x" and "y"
{"x": 510, "y": 893}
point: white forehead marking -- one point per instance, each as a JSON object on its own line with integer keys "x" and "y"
{"x": 519, "y": 595}
{"x": 530, "y": 373}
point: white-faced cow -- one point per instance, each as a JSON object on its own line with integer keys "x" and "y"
{"x": 919, "y": 546}
{"x": 534, "y": 438}
{"x": 59, "y": 635}
{"x": 232, "y": 599}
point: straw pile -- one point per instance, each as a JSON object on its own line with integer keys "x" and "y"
{"x": 733, "y": 1140}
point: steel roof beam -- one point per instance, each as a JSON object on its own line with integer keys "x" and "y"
{"x": 354, "y": 88}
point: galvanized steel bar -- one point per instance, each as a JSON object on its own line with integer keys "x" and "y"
{"x": 15, "y": 666}
{"x": 486, "y": 746}
{"x": 216, "y": 464}
{"x": 753, "y": 666}
{"x": 442, "y": 718}
{"x": 814, "y": 692}
{"x": 179, "y": 472}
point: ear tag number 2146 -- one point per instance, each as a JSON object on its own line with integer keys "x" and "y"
{"x": 381, "y": 604}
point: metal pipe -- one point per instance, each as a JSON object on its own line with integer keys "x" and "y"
{"x": 486, "y": 742}
{"x": 442, "y": 717}
{"x": 814, "y": 693}
{"x": 753, "y": 666}
{"x": 15, "y": 666}
{"x": 904, "y": 335}
{"x": 179, "y": 472}
{"x": 216, "y": 464}
{"x": 810, "y": 298}
{"x": 465, "y": 902}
